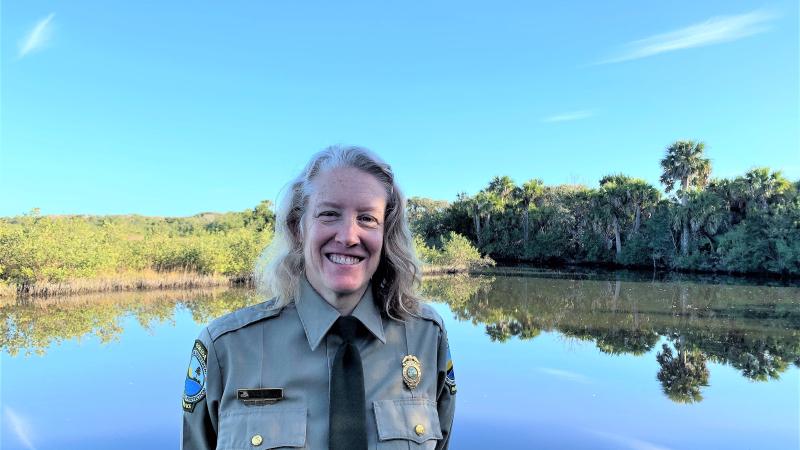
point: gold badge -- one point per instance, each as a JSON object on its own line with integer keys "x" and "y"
{"x": 412, "y": 371}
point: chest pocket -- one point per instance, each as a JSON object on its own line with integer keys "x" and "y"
{"x": 407, "y": 423}
{"x": 262, "y": 427}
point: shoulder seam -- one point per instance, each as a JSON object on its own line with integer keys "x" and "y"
{"x": 235, "y": 321}
{"x": 428, "y": 313}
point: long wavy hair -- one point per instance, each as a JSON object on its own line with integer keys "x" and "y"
{"x": 281, "y": 265}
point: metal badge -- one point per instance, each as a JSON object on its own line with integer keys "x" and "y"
{"x": 412, "y": 371}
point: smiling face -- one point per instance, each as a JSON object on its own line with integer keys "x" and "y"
{"x": 343, "y": 236}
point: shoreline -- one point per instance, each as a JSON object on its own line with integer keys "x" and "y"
{"x": 162, "y": 281}
{"x": 151, "y": 280}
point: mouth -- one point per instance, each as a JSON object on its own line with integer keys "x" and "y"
{"x": 344, "y": 260}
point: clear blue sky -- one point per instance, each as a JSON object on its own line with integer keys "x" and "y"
{"x": 174, "y": 108}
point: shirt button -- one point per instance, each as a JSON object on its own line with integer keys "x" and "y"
{"x": 256, "y": 440}
{"x": 419, "y": 429}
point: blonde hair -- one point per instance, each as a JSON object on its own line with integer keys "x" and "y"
{"x": 281, "y": 265}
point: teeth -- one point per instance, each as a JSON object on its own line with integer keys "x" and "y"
{"x": 342, "y": 259}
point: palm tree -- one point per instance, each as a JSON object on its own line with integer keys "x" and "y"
{"x": 642, "y": 198}
{"x": 495, "y": 198}
{"x": 503, "y": 187}
{"x": 707, "y": 213}
{"x": 759, "y": 186}
{"x": 530, "y": 191}
{"x": 616, "y": 198}
{"x": 477, "y": 209}
{"x": 483, "y": 204}
{"x": 685, "y": 163}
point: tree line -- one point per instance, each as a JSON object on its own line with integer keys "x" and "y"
{"x": 55, "y": 255}
{"x": 748, "y": 224}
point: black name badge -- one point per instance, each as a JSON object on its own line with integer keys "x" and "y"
{"x": 259, "y": 396}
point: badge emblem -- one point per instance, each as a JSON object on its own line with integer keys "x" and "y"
{"x": 412, "y": 371}
{"x": 194, "y": 388}
{"x": 450, "y": 376}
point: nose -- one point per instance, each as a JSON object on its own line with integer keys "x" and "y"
{"x": 347, "y": 234}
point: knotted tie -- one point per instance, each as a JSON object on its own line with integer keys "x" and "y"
{"x": 348, "y": 428}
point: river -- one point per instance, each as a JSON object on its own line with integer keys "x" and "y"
{"x": 541, "y": 361}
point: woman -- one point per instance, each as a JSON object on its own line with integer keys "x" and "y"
{"x": 344, "y": 357}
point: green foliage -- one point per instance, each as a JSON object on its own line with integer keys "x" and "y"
{"x": 454, "y": 252}
{"x": 428, "y": 255}
{"x": 749, "y": 224}
{"x": 427, "y": 218}
{"x": 261, "y": 217}
{"x": 458, "y": 251}
{"x": 58, "y": 248}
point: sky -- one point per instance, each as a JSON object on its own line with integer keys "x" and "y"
{"x": 178, "y": 108}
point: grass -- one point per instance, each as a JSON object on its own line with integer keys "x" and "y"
{"x": 148, "y": 280}
{"x": 125, "y": 281}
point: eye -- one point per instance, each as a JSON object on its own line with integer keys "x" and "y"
{"x": 328, "y": 216}
{"x": 368, "y": 220}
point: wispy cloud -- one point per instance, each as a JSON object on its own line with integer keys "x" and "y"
{"x": 627, "y": 442}
{"x": 565, "y": 374}
{"x": 20, "y": 428}
{"x": 37, "y": 37}
{"x": 715, "y": 30}
{"x": 564, "y": 117}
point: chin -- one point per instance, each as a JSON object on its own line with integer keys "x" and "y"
{"x": 343, "y": 287}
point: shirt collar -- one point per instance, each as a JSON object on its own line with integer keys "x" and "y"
{"x": 317, "y": 315}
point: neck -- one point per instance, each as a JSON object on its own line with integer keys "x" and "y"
{"x": 344, "y": 303}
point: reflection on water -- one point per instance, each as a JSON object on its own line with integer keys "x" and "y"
{"x": 33, "y": 326}
{"x": 755, "y": 329}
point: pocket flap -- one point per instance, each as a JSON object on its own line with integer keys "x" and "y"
{"x": 276, "y": 427}
{"x": 415, "y": 419}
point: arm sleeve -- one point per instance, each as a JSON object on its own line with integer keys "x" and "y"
{"x": 201, "y": 396}
{"x": 445, "y": 400}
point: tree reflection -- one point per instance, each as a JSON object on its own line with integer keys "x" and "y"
{"x": 633, "y": 341}
{"x": 683, "y": 375}
{"x": 754, "y": 329}
{"x": 504, "y": 330}
{"x": 33, "y": 326}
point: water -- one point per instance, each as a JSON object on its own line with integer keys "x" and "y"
{"x": 540, "y": 362}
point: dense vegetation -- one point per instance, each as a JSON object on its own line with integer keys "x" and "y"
{"x": 52, "y": 249}
{"x": 749, "y": 224}
{"x": 45, "y": 255}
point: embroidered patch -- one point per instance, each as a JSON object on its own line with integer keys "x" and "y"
{"x": 194, "y": 389}
{"x": 450, "y": 377}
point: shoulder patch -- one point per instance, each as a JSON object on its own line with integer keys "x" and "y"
{"x": 242, "y": 318}
{"x": 427, "y": 312}
{"x": 194, "y": 388}
{"x": 450, "y": 375}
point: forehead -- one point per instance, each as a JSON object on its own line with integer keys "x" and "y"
{"x": 348, "y": 187}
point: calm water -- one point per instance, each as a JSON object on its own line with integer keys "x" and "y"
{"x": 540, "y": 363}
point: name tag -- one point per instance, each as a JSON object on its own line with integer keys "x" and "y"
{"x": 259, "y": 396}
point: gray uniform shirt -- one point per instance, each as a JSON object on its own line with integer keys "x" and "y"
{"x": 290, "y": 348}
